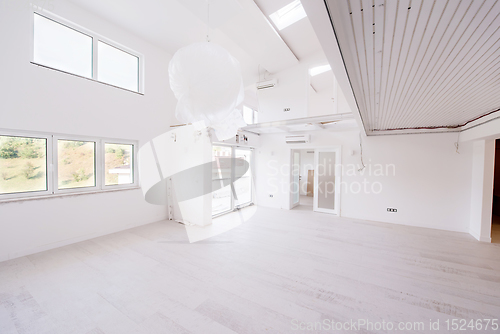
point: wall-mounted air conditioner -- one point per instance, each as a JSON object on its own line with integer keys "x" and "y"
{"x": 267, "y": 84}
{"x": 298, "y": 139}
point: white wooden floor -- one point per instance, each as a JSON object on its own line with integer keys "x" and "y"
{"x": 256, "y": 278}
{"x": 306, "y": 200}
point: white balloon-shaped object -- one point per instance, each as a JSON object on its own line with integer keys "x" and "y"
{"x": 208, "y": 85}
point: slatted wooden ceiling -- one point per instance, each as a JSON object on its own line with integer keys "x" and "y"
{"x": 420, "y": 63}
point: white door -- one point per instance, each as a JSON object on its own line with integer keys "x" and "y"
{"x": 295, "y": 179}
{"x": 327, "y": 181}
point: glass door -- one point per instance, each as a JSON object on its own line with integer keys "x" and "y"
{"x": 231, "y": 178}
{"x": 222, "y": 199}
{"x": 326, "y": 181}
{"x": 243, "y": 177}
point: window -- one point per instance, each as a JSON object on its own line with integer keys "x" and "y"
{"x": 243, "y": 185}
{"x": 230, "y": 171}
{"x": 250, "y": 116}
{"x": 117, "y": 68}
{"x": 118, "y": 164}
{"x": 319, "y": 69}
{"x": 221, "y": 179}
{"x": 288, "y": 15}
{"x": 44, "y": 164}
{"x": 60, "y": 47}
{"x": 63, "y": 46}
{"x": 75, "y": 164}
{"x": 23, "y": 164}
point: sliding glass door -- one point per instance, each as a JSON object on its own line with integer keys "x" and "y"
{"x": 231, "y": 178}
{"x": 243, "y": 184}
{"x": 222, "y": 171}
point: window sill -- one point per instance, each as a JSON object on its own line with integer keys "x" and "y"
{"x": 91, "y": 79}
{"x": 69, "y": 194}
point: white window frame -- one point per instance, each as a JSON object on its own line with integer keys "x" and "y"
{"x": 235, "y": 207}
{"x": 95, "y": 39}
{"x": 48, "y": 155}
{"x": 133, "y": 160}
{"x": 254, "y": 111}
{"x": 251, "y": 150}
{"x": 231, "y": 209}
{"x": 52, "y": 165}
{"x": 55, "y": 162}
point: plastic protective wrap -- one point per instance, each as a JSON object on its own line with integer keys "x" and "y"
{"x": 208, "y": 85}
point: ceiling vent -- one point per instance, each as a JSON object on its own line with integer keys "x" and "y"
{"x": 267, "y": 84}
{"x": 298, "y": 139}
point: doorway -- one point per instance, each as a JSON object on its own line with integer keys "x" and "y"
{"x": 302, "y": 179}
{"x": 495, "y": 221}
{"x": 314, "y": 180}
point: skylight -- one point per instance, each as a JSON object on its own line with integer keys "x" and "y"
{"x": 319, "y": 69}
{"x": 288, "y": 15}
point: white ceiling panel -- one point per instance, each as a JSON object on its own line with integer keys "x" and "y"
{"x": 420, "y": 63}
{"x": 300, "y": 36}
{"x": 301, "y": 39}
{"x": 237, "y": 25}
{"x": 253, "y": 32}
{"x": 214, "y": 12}
{"x": 323, "y": 82}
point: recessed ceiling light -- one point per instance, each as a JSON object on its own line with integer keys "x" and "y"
{"x": 288, "y": 15}
{"x": 319, "y": 69}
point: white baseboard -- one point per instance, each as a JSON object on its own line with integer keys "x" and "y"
{"x": 38, "y": 249}
{"x": 475, "y": 234}
{"x": 460, "y": 230}
{"x": 485, "y": 239}
{"x": 478, "y": 236}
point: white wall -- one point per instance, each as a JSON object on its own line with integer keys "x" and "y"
{"x": 294, "y": 91}
{"x": 291, "y": 92}
{"x": 482, "y": 137}
{"x": 322, "y": 102}
{"x": 431, "y": 186}
{"x": 40, "y": 99}
{"x": 342, "y": 105}
{"x": 483, "y": 167}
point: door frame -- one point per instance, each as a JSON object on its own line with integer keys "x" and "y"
{"x": 235, "y": 207}
{"x": 338, "y": 180}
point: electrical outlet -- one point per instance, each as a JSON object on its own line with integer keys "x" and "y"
{"x": 392, "y": 210}
{"x": 286, "y": 109}
{"x": 271, "y": 195}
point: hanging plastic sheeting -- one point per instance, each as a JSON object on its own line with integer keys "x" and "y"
{"x": 208, "y": 85}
